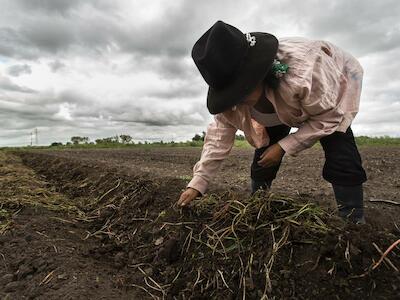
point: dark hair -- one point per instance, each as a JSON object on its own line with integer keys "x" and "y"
{"x": 271, "y": 80}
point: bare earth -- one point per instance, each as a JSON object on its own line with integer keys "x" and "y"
{"x": 101, "y": 224}
{"x": 299, "y": 175}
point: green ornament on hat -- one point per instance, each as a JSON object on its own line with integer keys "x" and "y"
{"x": 279, "y": 69}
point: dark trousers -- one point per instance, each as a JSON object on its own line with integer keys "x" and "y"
{"x": 342, "y": 166}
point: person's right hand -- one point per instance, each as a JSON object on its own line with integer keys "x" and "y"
{"x": 187, "y": 196}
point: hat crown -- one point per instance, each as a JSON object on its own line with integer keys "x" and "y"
{"x": 219, "y": 53}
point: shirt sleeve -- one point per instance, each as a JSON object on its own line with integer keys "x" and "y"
{"x": 218, "y": 142}
{"x": 319, "y": 98}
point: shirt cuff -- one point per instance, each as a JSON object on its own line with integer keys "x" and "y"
{"x": 291, "y": 145}
{"x": 199, "y": 184}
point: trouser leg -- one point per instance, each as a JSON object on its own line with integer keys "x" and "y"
{"x": 343, "y": 169}
{"x": 261, "y": 178}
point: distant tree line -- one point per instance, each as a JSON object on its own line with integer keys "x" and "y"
{"x": 84, "y": 140}
{"x": 197, "y": 137}
{"x": 121, "y": 139}
{"x": 125, "y": 140}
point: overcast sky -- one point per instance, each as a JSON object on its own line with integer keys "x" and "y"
{"x": 101, "y": 68}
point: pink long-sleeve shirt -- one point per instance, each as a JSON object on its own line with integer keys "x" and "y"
{"x": 319, "y": 95}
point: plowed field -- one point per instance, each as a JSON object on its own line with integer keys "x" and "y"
{"x": 103, "y": 224}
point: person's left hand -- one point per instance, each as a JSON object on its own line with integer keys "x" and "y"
{"x": 272, "y": 156}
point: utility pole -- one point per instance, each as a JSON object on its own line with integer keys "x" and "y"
{"x": 31, "y": 138}
{"x": 36, "y": 137}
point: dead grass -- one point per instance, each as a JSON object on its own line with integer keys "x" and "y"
{"x": 20, "y": 187}
{"x": 243, "y": 237}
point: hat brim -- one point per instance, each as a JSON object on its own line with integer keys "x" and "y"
{"x": 254, "y": 68}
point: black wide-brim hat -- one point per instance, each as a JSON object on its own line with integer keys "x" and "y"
{"x": 232, "y": 63}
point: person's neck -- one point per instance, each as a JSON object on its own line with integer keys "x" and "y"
{"x": 263, "y": 105}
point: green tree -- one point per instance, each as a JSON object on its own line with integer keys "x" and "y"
{"x": 55, "y": 144}
{"x": 79, "y": 139}
{"x": 125, "y": 139}
{"x": 108, "y": 140}
{"x": 203, "y": 135}
{"x": 239, "y": 137}
{"x": 196, "y": 138}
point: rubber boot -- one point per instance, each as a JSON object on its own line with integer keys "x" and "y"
{"x": 350, "y": 201}
{"x": 260, "y": 185}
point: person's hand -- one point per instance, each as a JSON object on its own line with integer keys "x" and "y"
{"x": 187, "y": 196}
{"x": 272, "y": 156}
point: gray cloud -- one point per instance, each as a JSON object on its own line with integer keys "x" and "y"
{"x": 361, "y": 26}
{"x": 176, "y": 93}
{"x": 56, "y": 65}
{"x": 170, "y": 33}
{"x": 106, "y": 67}
{"x": 17, "y": 121}
{"x": 160, "y": 43}
{"x": 17, "y": 70}
{"x": 26, "y": 112}
{"x": 7, "y": 85}
{"x": 60, "y": 6}
{"x": 49, "y": 35}
{"x": 163, "y": 115}
{"x": 14, "y": 45}
{"x": 353, "y": 24}
{"x": 70, "y": 108}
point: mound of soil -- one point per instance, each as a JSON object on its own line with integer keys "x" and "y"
{"x": 225, "y": 246}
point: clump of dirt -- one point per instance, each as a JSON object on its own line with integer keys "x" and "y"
{"x": 225, "y": 246}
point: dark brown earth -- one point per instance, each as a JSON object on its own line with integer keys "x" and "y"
{"x": 101, "y": 224}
